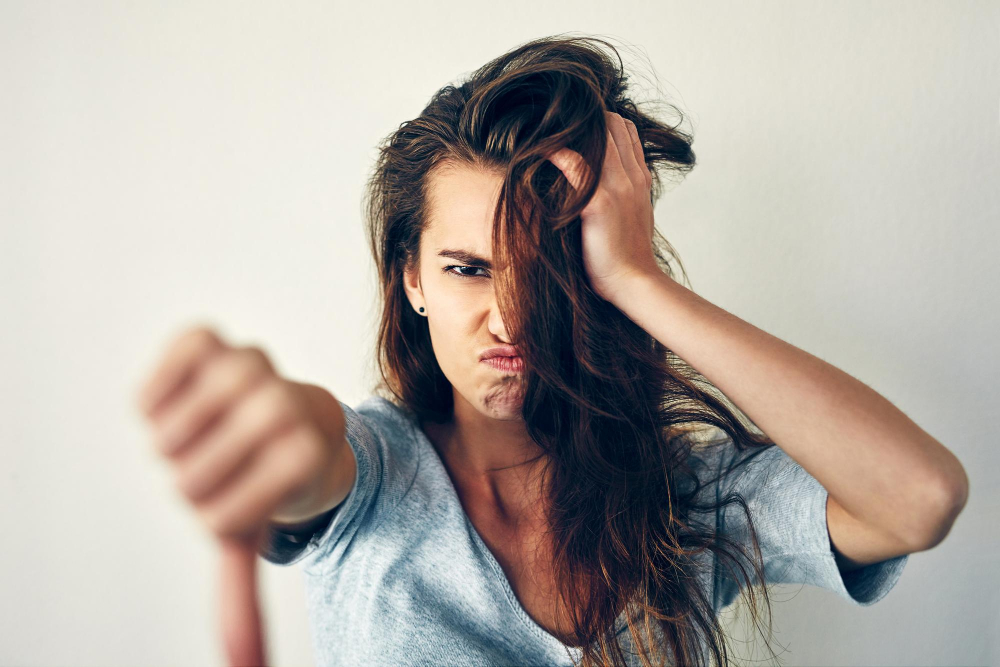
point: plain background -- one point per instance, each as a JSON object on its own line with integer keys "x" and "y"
{"x": 169, "y": 163}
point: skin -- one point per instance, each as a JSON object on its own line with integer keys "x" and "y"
{"x": 887, "y": 470}
{"x": 893, "y": 489}
{"x": 485, "y": 444}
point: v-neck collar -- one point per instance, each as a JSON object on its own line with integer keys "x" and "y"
{"x": 500, "y": 576}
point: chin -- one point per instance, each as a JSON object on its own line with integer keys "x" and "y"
{"x": 504, "y": 402}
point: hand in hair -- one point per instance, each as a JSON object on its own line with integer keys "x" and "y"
{"x": 617, "y": 223}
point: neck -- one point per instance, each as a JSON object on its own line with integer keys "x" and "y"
{"x": 490, "y": 460}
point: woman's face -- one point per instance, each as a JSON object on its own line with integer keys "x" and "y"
{"x": 454, "y": 284}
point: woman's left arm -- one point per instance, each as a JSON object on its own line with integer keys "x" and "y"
{"x": 892, "y": 488}
{"x": 881, "y": 467}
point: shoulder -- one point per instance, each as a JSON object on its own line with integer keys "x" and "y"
{"x": 386, "y": 429}
{"x": 389, "y": 418}
{"x": 723, "y": 463}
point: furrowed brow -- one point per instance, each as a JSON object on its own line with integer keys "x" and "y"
{"x": 466, "y": 257}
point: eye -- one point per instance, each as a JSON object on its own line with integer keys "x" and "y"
{"x": 448, "y": 269}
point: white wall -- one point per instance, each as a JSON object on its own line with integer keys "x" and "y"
{"x": 167, "y": 163}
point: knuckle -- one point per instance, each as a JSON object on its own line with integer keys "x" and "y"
{"x": 599, "y": 202}
{"x": 278, "y": 405}
{"x": 618, "y": 189}
{"x": 250, "y": 366}
{"x": 232, "y": 371}
{"x": 257, "y": 359}
{"x": 201, "y": 337}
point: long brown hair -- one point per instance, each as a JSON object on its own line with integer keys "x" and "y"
{"x": 615, "y": 412}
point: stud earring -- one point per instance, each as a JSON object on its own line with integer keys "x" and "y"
{"x": 421, "y": 309}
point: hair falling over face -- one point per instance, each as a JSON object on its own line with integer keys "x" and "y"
{"x": 617, "y": 413}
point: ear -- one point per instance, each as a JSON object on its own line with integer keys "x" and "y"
{"x": 414, "y": 290}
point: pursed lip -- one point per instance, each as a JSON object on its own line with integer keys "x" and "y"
{"x": 500, "y": 351}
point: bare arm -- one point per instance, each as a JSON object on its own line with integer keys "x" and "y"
{"x": 308, "y": 509}
{"x": 894, "y": 487}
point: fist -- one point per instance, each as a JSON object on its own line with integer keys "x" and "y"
{"x": 244, "y": 443}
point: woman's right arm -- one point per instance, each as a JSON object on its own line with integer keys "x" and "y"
{"x": 310, "y": 508}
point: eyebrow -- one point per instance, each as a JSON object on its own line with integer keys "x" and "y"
{"x": 466, "y": 257}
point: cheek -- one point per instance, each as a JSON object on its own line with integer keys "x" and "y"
{"x": 446, "y": 331}
{"x": 457, "y": 305}
{"x": 456, "y": 335}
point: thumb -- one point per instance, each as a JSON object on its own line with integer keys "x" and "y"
{"x": 241, "y": 621}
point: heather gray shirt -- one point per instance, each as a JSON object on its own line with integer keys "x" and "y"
{"x": 400, "y": 576}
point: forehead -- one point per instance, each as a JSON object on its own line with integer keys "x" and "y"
{"x": 461, "y": 202}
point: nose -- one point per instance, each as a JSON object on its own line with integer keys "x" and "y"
{"x": 496, "y": 323}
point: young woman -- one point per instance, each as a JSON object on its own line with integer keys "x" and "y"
{"x": 559, "y": 465}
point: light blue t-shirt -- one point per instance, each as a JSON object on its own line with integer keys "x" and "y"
{"x": 400, "y": 576}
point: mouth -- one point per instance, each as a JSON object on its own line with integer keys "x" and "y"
{"x": 505, "y": 364}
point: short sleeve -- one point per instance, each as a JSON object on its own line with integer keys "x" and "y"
{"x": 788, "y": 506}
{"x": 346, "y": 519}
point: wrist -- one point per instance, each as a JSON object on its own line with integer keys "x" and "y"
{"x": 317, "y": 498}
{"x": 624, "y": 290}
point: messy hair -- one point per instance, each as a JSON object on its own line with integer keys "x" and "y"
{"x": 617, "y": 415}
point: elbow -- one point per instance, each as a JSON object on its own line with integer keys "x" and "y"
{"x": 951, "y": 497}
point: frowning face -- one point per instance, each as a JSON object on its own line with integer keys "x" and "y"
{"x": 454, "y": 285}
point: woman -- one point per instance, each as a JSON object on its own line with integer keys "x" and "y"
{"x": 537, "y": 481}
